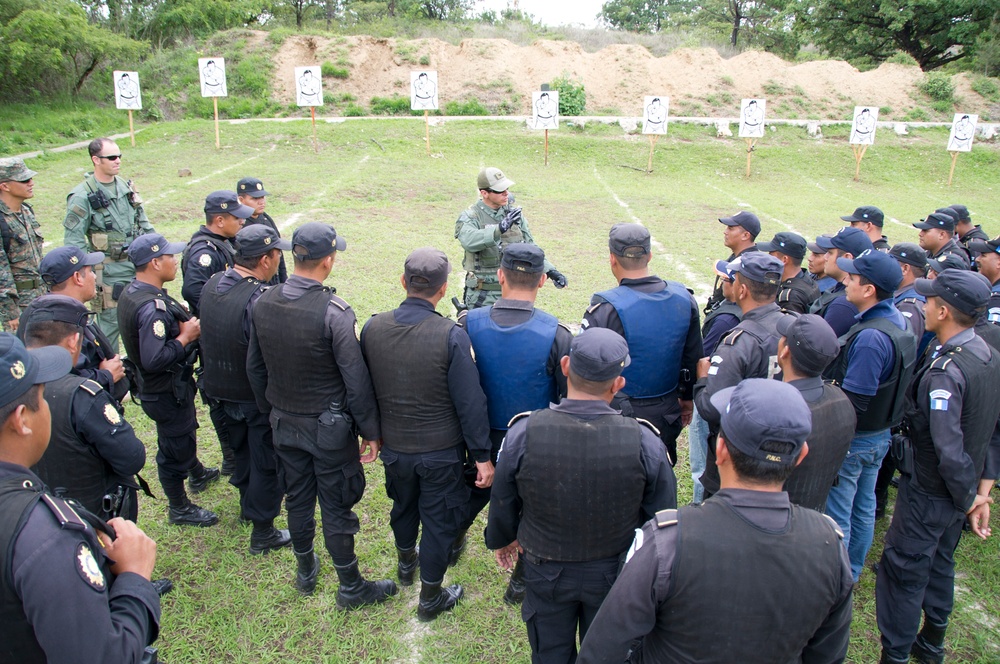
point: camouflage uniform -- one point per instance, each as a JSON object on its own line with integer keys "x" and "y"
{"x": 109, "y": 229}
{"x": 20, "y": 280}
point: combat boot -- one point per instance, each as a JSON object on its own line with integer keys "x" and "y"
{"x": 268, "y": 538}
{"x": 886, "y": 658}
{"x": 434, "y": 599}
{"x": 514, "y": 594}
{"x": 305, "y": 577}
{"x": 457, "y": 547}
{"x": 198, "y": 480}
{"x": 355, "y": 591}
{"x": 190, "y": 514}
{"x": 407, "y": 566}
{"x": 929, "y": 646}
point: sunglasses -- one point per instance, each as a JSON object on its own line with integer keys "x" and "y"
{"x": 110, "y": 157}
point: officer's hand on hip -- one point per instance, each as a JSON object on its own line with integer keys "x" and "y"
{"x": 132, "y": 550}
{"x": 484, "y": 474}
{"x": 369, "y": 450}
{"x": 558, "y": 280}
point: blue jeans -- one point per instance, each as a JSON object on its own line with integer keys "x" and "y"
{"x": 697, "y": 442}
{"x": 852, "y": 502}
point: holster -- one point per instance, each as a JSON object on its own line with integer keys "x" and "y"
{"x": 134, "y": 378}
{"x": 901, "y": 449}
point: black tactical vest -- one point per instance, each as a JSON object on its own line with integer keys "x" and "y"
{"x": 800, "y": 283}
{"x": 581, "y": 483}
{"x": 225, "y": 252}
{"x": 886, "y": 408}
{"x": 128, "y": 308}
{"x": 223, "y": 345}
{"x": 726, "y": 307}
{"x": 70, "y": 467}
{"x": 302, "y": 373}
{"x": 17, "y": 638}
{"x": 988, "y": 332}
{"x": 791, "y": 579}
{"x": 822, "y": 303}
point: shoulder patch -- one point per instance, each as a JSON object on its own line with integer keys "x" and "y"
{"x": 91, "y": 386}
{"x": 836, "y": 528}
{"x": 204, "y": 260}
{"x": 89, "y": 570}
{"x": 666, "y": 518}
{"x": 732, "y": 337}
{"x": 111, "y": 414}
{"x": 78, "y": 211}
{"x": 339, "y": 303}
{"x": 159, "y": 329}
{"x": 517, "y": 417}
{"x": 939, "y": 399}
{"x": 649, "y": 425}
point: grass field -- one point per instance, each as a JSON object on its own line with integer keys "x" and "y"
{"x": 374, "y": 182}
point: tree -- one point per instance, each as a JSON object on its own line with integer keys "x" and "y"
{"x": 635, "y": 15}
{"x": 933, "y": 32}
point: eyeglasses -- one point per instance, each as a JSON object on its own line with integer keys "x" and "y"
{"x": 498, "y": 193}
{"x": 110, "y": 157}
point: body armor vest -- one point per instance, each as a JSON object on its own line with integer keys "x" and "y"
{"x": 17, "y": 638}
{"x": 128, "y": 308}
{"x": 223, "y": 346}
{"x": 988, "y": 332}
{"x": 581, "y": 483}
{"x": 409, "y": 369}
{"x": 302, "y": 374}
{"x": 726, "y": 307}
{"x": 222, "y": 247}
{"x": 797, "y": 284}
{"x": 513, "y": 382}
{"x": 656, "y": 326}
{"x": 822, "y": 303}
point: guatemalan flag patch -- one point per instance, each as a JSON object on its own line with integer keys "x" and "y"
{"x": 939, "y": 399}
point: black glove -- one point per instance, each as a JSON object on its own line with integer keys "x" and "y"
{"x": 558, "y": 280}
{"x": 513, "y": 217}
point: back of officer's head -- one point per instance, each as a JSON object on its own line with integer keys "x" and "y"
{"x": 630, "y": 245}
{"x": 22, "y": 373}
{"x": 425, "y": 272}
{"x": 52, "y": 319}
{"x": 597, "y": 358}
{"x": 522, "y": 265}
{"x": 759, "y": 274}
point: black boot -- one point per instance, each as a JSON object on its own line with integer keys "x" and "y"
{"x": 457, "y": 547}
{"x": 266, "y": 538}
{"x": 889, "y": 659}
{"x": 200, "y": 477}
{"x": 434, "y": 599}
{"x": 355, "y": 591}
{"x": 190, "y": 514}
{"x": 408, "y": 561}
{"x": 929, "y": 646}
{"x": 305, "y": 577}
{"x": 514, "y": 594}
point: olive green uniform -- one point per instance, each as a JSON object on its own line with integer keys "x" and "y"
{"x": 20, "y": 281}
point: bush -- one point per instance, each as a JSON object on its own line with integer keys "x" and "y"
{"x": 395, "y": 105}
{"x": 467, "y": 107}
{"x": 986, "y": 88}
{"x": 331, "y": 70}
{"x": 572, "y": 96}
{"x": 354, "y": 111}
{"x": 938, "y": 86}
{"x": 917, "y": 115}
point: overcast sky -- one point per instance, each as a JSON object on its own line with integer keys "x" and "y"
{"x": 552, "y": 12}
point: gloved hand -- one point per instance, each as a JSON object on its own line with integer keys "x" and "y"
{"x": 558, "y": 280}
{"x": 513, "y": 217}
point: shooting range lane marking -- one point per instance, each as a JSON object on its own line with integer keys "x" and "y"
{"x": 232, "y": 166}
{"x": 690, "y": 278}
{"x": 967, "y": 604}
{"x": 845, "y": 198}
{"x": 759, "y": 213}
{"x": 417, "y": 632}
{"x": 318, "y": 196}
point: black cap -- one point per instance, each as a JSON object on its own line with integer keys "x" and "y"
{"x": 877, "y": 267}
{"x": 21, "y": 368}
{"x": 251, "y": 187}
{"x": 790, "y": 244}
{"x": 909, "y": 253}
{"x": 946, "y": 262}
{"x": 426, "y": 267}
{"x": 868, "y": 213}
{"x": 945, "y": 222}
{"x": 951, "y": 212}
{"x": 257, "y": 240}
{"x": 811, "y": 341}
{"x": 598, "y": 354}
{"x": 758, "y": 410}
{"x": 848, "y": 239}
{"x": 226, "y": 202}
{"x": 314, "y": 240}
{"x": 61, "y": 308}
{"x": 629, "y": 240}
{"x": 523, "y": 257}
{"x": 816, "y": 248}
{"x": 967, "y": 291}
{"x": 962, "y": 212}
{"x": 747, "y": 220}
{"x": 62, "y": 262}
{"x": 985, "y": 246}
{"x": 152, "y": 245}
{"x": 758, "y": 266}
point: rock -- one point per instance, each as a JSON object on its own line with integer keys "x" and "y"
{"x": 629, "y": 124}
{"x": 772, "y": 128}
{"x": 814, "y": 129}
{"x": 722, "y": 128}
{"x": 986, "y": 132}
{"x": 900, "y": 128}
{"x": 183, "y": 172}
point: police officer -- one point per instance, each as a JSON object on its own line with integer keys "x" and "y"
{"x": 870, "y": 219}
{"x": 20, "y": 281}
{"x": 160, "y": 340}
{"x": 689, "y": 599}
{"x": 937, "y": 236}
{"x": 229, "y": 298}
{"x": 659, "y": 320}
{"x": 807, "y": 346}
{"x": 988, "y": 261}
{"x": 949, "y": 424}
{"x": 432, "y": 409}
{"x": 94, "y": 454}
{"x": 749, "y": 351}
{"x": 104, "y": 213}
{"x": 741, "y": 230}
{"x": 554, "y": 464}
{"x": 833, "y": 304}
{"x": 306, "y": 370}
{"x": 62, "y": 595}
{"x": 252, "y": 194}
{"x": 484, "y": 229}
{"x": 913, "y": 265}
{"x": 797, "y": 290}
{"x": 874, "y": 367}
{"x": 936, "y": 266}
{"x": 69, "y": 272}
{"x": 968, "y": 232}
{"x": 817, "y": 266}
{"x": 518, "y": 349}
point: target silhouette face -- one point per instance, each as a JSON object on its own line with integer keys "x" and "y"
{"x": 213, "y": 77}
{"x": 423, "y": 90}
{"x": 308, "y": 86}
{"x": 128, "y": 96}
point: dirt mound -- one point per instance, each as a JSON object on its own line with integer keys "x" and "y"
{"x": 502, "y": 75}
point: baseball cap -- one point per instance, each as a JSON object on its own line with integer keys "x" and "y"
{"x": 985, "y": 246}
{"x": 494, "y": 180}
{"x": 758, "y": 410}
{"x": 967, "y": 291}
{"x": 629, "y": 240}
{"x": 56, "y": 307}
{"x": 226, "y": 202}
{"x": 251, "y": 187}
{"x": 868, "y": 213}
{"x": 21, "y": 368}
{"x": 59, "y": 264}
{"x": 877, "y": 267}
{"x": 13, "y": 168}
{"x": 946, "y": 262}
{"x": 950, "y": 211}
{"x": 426, "y": 267}
{"x": 725, "y": 269}
{"x": 152, "y": 245}
{"x": 853, "y": 241}
{"x": 811, "y": 341}
{"x": 758, "y": 266}
{"x": 790, "y": 244}
{"x": 962, "y": 211}
{"x": 258, "y": 239}
{"x": 523, "y": 257}
{"x": 314, "y": 240}
{"x": 598, "y": 354}
{"x": 909, "y": 253}
{"x": 747, "y": 220}
{"x": 815, "y": 246}
{"x": 940, "y": 220}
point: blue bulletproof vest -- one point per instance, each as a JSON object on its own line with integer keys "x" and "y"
{"x": 512, "y": 363}
{"x": 656, "y": 327}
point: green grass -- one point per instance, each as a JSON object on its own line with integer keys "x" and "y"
{"x": 375, "y": 183}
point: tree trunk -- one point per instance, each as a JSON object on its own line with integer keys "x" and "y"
{"x": 84, "y": 76}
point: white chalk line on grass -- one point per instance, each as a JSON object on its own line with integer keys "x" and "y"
{"x": 759, "y": 213}
{"x": 975, "y": 610}
{"x": 690, "y": 278}
{"x": 414, "y": 637}
{"x": 232, "y": 166}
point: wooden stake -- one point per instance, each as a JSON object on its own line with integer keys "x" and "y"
{"x": 546, "y": 147}
{"x": 954, "y": 158}
{"x": 312, "y": 112}
{"x": 131, "y": 128}
{"x": 750, "y": 144}
{"x": 859, "y": 154}
{"x": 427, "y": 132}
{"x": 215, "y": 104}
{"x": 652, "y": 146}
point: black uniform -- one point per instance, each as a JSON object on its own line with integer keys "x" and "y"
{"x": 717, "y": 298}
{"x": 572, "y": 499}
{"x": 265, "y": 219}
{"x": 950, "y": 425}
{"x": 306, "y": 369}
{"x": 93, "y": 453}
{"x": 432, "y": 409}
{"x": 977, "y": 233}
{"x": 205, "y": 254}
{"x": 673, "y": 594}
{"x": 952, "y": 247}
{"x": 882, "y": 244}
{"x": 59, "y": 602}
{"x": 797, "y": 293}
{"x": 718, "y": 324}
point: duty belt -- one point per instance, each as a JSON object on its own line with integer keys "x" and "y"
{"x": 28, "y": 284}
{"x": 533, "y": 559}
{"x": 487, "y": 285}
